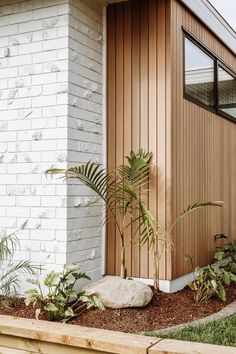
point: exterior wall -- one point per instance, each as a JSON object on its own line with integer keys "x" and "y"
{"x": 51, "y": 115}
{"x": 33, "y": 103}
{"x": 203, "y": 154}
{"x": 193, "y": 149}
{"x": 85, "y": 132}
{"x": 138, "y": 113}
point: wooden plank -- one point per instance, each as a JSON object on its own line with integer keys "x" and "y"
{"x": 168, "y": 346}
{"x": 135, "y": 111}
{"x": 26, "y": 345}
{"x": 6, "y": 350}
{"x": 152, "y": 108}
{"x": 119, "y": 120}
{"x": 144, "y": 118}
{"x": 127, "y": 115}
{"x": 75, "y": 336}
{"x": 161, "y": 128}
{"x": 111, "y": 109}
{"x": 201, "y": 164}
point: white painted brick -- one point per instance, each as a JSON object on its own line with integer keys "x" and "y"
{"x": 29, "y": 27}
{"x": 44, "y": 101}
{"x": 43, "y": 79}
{"x": 30, "y": 48}
{"x": 55, "y": 43}
{"x": 20, "y": 17}
{"x": 45, "y": 56}
{"x": 21, "y": 212}
{"x": 8, "y": 30}
{"x": 27, "y": 201}
{"x": 7, "y": 73}
{"x": 18, "y": 168}
{"x": 43, "y": 13}
{"x": 21, "y": 103}
{"x": 43, "y": 235}
{"x": 20, "y": 60}
{"x": 39, "y": 129}
{"x": 30, "y": 70}
{"x": 7, "y": 201}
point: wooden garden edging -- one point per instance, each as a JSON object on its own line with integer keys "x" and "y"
{"x": 21, "y": 336}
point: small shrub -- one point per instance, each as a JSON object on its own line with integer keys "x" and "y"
{"x": 211, "y": 280}
{"x": 61, "y": 302}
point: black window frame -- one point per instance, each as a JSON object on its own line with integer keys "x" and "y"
{"x": 217, "y": 63}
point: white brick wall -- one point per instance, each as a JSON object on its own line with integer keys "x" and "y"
{"x": 33, "y": 125}
{"x": 51, "y": 115}
{"x": 85, "y": 137}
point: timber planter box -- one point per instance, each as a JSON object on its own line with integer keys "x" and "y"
{"x": 21, "y": 336}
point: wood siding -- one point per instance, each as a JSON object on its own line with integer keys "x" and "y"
{"x": 203, "y": 154}
{"x": 137, "y": 111}
{"x": 194, "y": 149}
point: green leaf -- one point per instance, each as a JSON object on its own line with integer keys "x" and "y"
{"x": 69, "y": 312}
{"x": 51, "y": 307}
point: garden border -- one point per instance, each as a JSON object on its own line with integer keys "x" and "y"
{"x": 21, "y": 336}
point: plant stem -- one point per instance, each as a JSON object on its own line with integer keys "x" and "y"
{"x": 123, "y": 272}
{"x": 155, "y": 265}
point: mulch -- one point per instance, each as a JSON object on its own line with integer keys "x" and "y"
{"x": 165, "y": 310}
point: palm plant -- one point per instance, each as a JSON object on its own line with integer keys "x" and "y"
{"x": 11, "y": 271}
{"x": 123, "y": 192}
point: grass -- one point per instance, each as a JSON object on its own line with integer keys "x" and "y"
{"x": 221, "y": 332}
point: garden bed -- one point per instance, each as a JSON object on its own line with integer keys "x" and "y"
{"x": 165, "y": 310}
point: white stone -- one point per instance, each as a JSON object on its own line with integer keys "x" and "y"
{"x": 118, "y": 293}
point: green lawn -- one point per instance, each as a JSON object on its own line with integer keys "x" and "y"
{"x": 221, "y": 332}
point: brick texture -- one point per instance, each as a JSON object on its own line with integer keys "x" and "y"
{"x": 85, "y": 136}
{"x": 51, "y": 65}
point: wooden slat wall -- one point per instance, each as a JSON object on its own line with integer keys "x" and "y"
{"x": 194, "y": 149}
{"x": 137, "y": 112}
{"x": 203, "y": 154}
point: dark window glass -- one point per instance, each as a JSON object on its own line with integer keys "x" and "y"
{"x": 226, "y": 93}
{"x": 199, "y": 75}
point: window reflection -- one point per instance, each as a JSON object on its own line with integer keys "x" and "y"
{"x": 199, "y": 74}
{"x": 226, "y": 92}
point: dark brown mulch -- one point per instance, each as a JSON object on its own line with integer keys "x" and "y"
{"x": 165, "y": 310}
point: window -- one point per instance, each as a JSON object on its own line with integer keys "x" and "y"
{"x": 226, "y": 92}
{"x": 199, "y": 75}
{"x": 207, "y": 81}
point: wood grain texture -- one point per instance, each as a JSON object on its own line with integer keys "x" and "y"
{"x": 140, "y": 118}
{"x": 203, "y": 146}
{"x": 193, "y": 149}
{"x": 48, "y": 337}
{"x": 169, "y": 346}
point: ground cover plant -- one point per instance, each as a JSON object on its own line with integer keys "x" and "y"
{"x": 214, "y": 278}
{"x": 61, "y": 302}
{"x": 221, "y": 332}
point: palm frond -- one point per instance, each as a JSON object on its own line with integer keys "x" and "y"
{"x": 194, "y": 207}
{"x": 8, "y": 245}
{"x": 136, "y": 173}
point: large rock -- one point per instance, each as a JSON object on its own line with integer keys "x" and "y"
{"x": 117, "y": 293}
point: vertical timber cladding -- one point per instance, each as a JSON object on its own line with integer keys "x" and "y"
{"x": 138, "y": 114}
{"x": 203, "y": 154}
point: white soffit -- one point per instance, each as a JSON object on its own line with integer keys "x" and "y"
{"x": 213, "y": 20}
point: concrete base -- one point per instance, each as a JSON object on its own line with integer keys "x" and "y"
{"x": 170, "y": 286}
